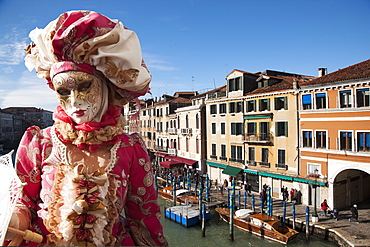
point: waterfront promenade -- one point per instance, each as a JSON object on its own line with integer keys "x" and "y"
{"x": 341, "y": 231}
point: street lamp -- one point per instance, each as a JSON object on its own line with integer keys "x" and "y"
{"x": 315, "y": 217}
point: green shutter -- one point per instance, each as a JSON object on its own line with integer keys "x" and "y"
{"x": 286, "y": 129}
{"x": 286, "y": 103}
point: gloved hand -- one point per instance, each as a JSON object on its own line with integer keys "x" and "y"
{"x": 14, "y": 222}
{"x": 16, "y": 239}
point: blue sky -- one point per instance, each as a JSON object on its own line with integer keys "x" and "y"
{"x": 193, "y": 44}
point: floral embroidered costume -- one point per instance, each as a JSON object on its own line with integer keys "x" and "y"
{"x": 88, "y": 183}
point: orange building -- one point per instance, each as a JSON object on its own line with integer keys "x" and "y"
{"x": 334, "y": 117}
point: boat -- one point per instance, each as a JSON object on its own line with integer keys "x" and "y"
{"x": 260, "y": 224}
{"x": 185, "y": 215}
{"x": 182, "y": 196}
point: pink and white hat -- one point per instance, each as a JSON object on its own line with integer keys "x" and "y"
{"x": 87, "y": 41}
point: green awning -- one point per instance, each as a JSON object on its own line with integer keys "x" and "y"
{"x": 302, "y": 180}
{"x": 250, "y": 171}
{"x": 278, "y": 176}
{"x": 257, "y": 117}
{"x": 231, "y": 170}
{"x": 214, "y": 164}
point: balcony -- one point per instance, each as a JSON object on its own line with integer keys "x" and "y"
{"x": 251, "y": 163}
{"x": 259, "y": 138}
{"x": 160, "y": 148}
{"x": 172, "y": 131}
{"x": 213, "y": 157}
{"x": 186, "y": 131}
{"x": 264, "y": 164}
{"x": 281, "y": 166}
{"x": 216, "y": 95}
{"x": 223, "y": 158}
{"x": 172, "y": 151}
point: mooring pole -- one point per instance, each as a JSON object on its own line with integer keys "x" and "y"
{"x": 253, "y": 205}
{"x": 307, "y": 223}
{"x": 245, "y": 199}
{"x": 284, "y": 211}
{"x": 231, "y": 207}
{"x": 203, "y": 220}
{"x": 293, "y": 215}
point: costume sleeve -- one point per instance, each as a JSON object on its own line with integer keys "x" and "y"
{"x": 28, "y": 165}
{"x": 142, "y": 208}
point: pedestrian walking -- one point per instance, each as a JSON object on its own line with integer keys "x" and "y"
{"x": 354, "y": 212}
{"x": 324, "y": 208}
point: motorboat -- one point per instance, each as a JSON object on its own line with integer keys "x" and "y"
{"x": 260, "y": 224}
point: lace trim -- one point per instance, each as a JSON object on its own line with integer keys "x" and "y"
{"x": 60, "y": 145}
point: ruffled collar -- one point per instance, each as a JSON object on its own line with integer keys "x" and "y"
{"x": 91, "y": 135}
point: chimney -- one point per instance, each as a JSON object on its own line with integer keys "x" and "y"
{"x": 322, "y": 72}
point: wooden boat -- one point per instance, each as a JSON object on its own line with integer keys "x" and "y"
{"x": 262, "y": 225}
{"x": 185, "y": 215}
{"x": 181, "y": 195}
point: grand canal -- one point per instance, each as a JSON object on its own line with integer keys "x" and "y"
{"x": 217, "y": 234}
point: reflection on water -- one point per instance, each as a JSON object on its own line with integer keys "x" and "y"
{"x": 217, "y": 234}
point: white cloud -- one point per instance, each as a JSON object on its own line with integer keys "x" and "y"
{"x": 154, "y": 63}
{"x": 30, "y": 91}
{"x": 12, "y": 53}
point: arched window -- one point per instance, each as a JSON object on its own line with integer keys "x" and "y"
{"x": 178, "y": 122}
{"x": 197, "y": 121}
{"x": 187, "y": 144}
{"x": 187, "y": 121}
{"x": 197, "y": 146}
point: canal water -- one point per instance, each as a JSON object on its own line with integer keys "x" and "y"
{"x": 217, "y": 234}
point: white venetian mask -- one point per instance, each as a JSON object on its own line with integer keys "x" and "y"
{"x": 79, "y": 94}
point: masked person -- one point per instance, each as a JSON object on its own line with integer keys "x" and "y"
{"x": 88, "y": 183}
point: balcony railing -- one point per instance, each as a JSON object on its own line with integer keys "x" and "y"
{"x": 172, "y": 131}
{"x": 213, "y": 156}
{"x": 223, "y": 158}
{"x": 186, "y": 131}
{"x": 281, "y": 166}
{"x": 264, "y": 164}
{"x": 160, "y": 148}
{"x": 172, "y": 151}
{"x": 258, "y": 138}
{"x": 216, "y": 95}
{"x": 251, "y": 163}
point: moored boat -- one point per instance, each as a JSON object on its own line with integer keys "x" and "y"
{"x": 260, "y": 224}
{"x": 182, "y": 195}
{"x": 186, "y": 215}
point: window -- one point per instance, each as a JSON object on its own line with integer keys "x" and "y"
{"x": 235, "y": 107}
{"x": 213, "y": 128}
{"x": 264, "y": 104}
{"x": 265, "y": 157}
{"x": 363, "y": 97}
{"x": 222, "y": 128}
{"x": 222, "y": 108}
{"x": 197, "y": 146}
{"x": 187, "y": 121}
{"x": 306, "y": 102}
{"x": 281, "y": 157}
{"x": 236, "y": 128}
{"x": 363, "y": 141}
{"x": 236, "y": 154}
{"x": 251, "y": 156}
{"x": 264, "y": 131}
{"x": 345, "y": 99}
{"x": 213, "y": 109}
{"x": 345, "y": 140}
{"x": 281, "y": 103}
{"x": 235, "y": 84}
{"x": 187, "y": 145}
{"x": 312, "y": 168}
{"x": 307, "y": 138}
{"x": 213, "y": 150}
{"x": 197, "y": 121}
{"x": 251, "y": 105}
{"x": 320, "y": 99}
{"x": 281, "y": 129}
{"x": 263, "y": 83}
{"x": 223, "y": 152}
{"x": 320, "y": 139}
{"x": 251, "y": 128}
{"x": 144, "y": 113}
